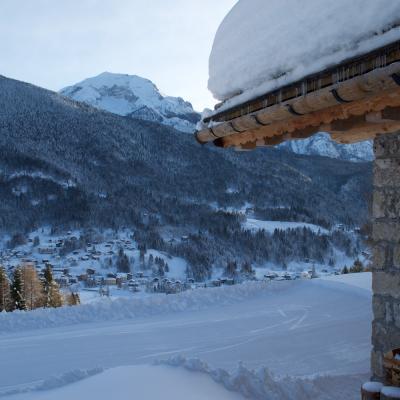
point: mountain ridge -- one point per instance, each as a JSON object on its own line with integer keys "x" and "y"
{"x": 136, "y": 97}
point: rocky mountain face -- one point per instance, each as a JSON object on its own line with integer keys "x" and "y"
{"x": 136, "y": 97}
{"x": 322, "y": 145}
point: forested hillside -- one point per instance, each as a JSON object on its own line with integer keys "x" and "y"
{"x": 67, "y": 164}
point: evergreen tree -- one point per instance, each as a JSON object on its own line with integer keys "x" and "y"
{"x": 72, "y": 299}
{"x": 247, "y": 269}
{"x": 17, "y": 290}
{"x": 33, "y": 293}
{"x": 17, "y": 239}
{"x": 142, "y": 249}
{"x": 52, "y": 295}
{"x": 77, "y": 298}
{"x": 357, "y": 266}
{"x": 231, "y": 269}
{"x": 5, "y": 293}
{"x": 345, "y": 270}
{"x": 151, "y": 261}
{"x": 36, "y": 241}
{"x": 161, "y": 272}
{"x": 123, "y": 262}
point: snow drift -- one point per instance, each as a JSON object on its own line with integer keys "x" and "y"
{"x": 262, "y": 384}
{"x": 54, "y": 382}
{"x": 144, "y": 382}
{"x": 262, "y": 45}
{"x": 120, "y": 309}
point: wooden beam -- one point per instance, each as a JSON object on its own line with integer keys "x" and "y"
{"x": 364, "y": 131}
{"x": 391, "y": 113}
{"x": 357, "y": 115}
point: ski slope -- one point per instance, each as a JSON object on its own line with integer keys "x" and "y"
{"x": 300, "y": 328}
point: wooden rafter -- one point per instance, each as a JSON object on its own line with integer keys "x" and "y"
{"x": 351, "y": 110}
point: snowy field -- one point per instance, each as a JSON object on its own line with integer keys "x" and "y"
{"x": 132, "y": 382}
{"x": 363, "y": 281}
{"x": 270, "y": 226}
{"x": 306, "y": 329}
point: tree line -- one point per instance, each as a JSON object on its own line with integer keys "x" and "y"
{"x": 25, "y": 290}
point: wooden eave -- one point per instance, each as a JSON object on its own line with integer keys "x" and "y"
{"x": 353, "y": 101}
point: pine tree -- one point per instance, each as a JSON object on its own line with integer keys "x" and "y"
{"x": 33, "y": 291}
{"x": 357, "y": 266}
{"x": 142, "y": 249}
{"x": 123, "y": 262}
{"x": 77, "y": 299}
{"x": 231, "y": 269}
{"x": 247, "y": 269}
{"x": 160, "y": 271}
{"x": 36, "y": 241}
{"x": 5, "y": 293}
{"x": 72, "y": 299}
{"x": 345, "y": 270}
{"x": 51, "y": 290}
{"x": 151, "y": 261}
{"x": 17, "y": 290}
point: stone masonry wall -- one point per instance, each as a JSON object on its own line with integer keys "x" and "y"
{"x": 386, "y": 251}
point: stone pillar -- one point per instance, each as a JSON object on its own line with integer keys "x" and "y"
{"x": 386, "y": 250}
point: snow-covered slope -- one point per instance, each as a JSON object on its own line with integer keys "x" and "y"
{"x": 131, "y": 95}
{"x": 322, "y": 145}
{"x": 299, "y": 328}
{"x": 262, "y": 45}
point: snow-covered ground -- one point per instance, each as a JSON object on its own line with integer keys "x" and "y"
{"x": 270, "y": 226}
{"x": 363, "y": 280}
{"x": 302, "y": 328}
{"x": 135, "y": 382}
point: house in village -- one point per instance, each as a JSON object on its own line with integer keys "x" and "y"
{"x": 282, "y": 77}
{"x": 47, "y": 250}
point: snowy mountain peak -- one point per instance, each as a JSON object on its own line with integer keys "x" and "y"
{"x": 137, "y": 97}
{"x": 321, "y": 144}
{"x": 132, "y": 95}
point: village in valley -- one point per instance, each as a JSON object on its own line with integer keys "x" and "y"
{"x": 93, "y": 264}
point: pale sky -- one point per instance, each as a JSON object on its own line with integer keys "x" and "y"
{"x": 56, "y": 43}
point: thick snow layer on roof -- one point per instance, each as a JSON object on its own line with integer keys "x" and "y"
{"x": 263, "y": 45}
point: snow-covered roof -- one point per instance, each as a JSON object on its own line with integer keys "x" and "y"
{"x": 263, "y": 45}
{"x": 287, "y": 69}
